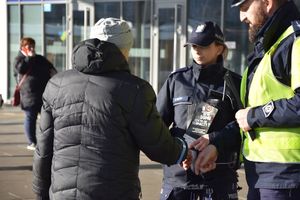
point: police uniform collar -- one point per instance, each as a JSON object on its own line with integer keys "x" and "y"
{"x": 208, "y": 72}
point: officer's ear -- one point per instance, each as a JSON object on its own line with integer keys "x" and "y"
{"x": 270, "y": 6}
{"x": 221, "y": 49}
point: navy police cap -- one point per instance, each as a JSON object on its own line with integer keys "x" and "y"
{"x": 204, "y": 34}
{"x": 237, "y": 2}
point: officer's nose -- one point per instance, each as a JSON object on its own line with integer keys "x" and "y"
{"x": 242, "y": 16}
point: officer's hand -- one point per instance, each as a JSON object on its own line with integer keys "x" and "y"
{"x": 206, "y": 160}
{"x": 188, "y": 161}
{"x": 241, "y": 117}
{"x": 200, "y": 143}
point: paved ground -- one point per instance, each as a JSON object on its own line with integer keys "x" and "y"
{"x": 16, "y": 163}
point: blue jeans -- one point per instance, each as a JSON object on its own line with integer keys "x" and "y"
{"x": 274, "y": 194}
{"x": 30, "y": 125}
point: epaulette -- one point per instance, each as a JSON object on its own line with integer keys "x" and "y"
{"x": 296, "y": 27}
{"x": 183, "y": 69}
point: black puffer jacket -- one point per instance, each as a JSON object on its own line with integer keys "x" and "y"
{"x": 95, "y": 120}
{"x": 35, "y": 83}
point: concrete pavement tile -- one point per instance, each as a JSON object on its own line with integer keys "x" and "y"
{"x": 16, "y": 184}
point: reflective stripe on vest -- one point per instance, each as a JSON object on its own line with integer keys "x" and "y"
{"x": 280, "y": 145}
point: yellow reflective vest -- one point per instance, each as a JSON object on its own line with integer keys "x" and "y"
{"x": 280, "y": 145}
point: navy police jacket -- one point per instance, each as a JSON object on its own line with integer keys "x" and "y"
{"x": 184, "y": 87}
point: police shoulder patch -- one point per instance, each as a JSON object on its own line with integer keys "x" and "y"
{"x": 268, "y": 109}
{"x": 183, "y": 69}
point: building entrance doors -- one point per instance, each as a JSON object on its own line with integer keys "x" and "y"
{"x": 169, "y": 36}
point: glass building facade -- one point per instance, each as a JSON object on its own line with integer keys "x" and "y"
{"x": 160, "y": 28}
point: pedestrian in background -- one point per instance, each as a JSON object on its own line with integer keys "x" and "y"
{"x": 271, "y": 94}
{"x": 95, "y": 120}
{"x": 37, "y": 69}
{"x": 196, "y": 102}
{"x": 1, "y": 100}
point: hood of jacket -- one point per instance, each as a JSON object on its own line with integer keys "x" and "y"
{"x": 93, "y": 56}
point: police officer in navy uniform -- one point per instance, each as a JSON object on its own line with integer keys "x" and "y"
{"x": 200, "y": 83}
{"x": 271, "y": 94}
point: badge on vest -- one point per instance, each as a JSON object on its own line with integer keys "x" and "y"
{"x": 201, "y": 119}
{"x": 268, "y": 109}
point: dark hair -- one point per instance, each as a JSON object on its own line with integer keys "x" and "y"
{"x": 27, "y": 41}
{"x": 225, "y": 50}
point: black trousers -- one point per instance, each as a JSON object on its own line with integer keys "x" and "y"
{"x": 274, "y": 194}
{"x": 216, "y": 192}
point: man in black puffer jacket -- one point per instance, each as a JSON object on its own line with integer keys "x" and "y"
{"x": 95, "y": 120}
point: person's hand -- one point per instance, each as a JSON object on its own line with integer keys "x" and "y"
{"x": 206, "y": 160}
{"x": 241, "y": 117}
{"x": 28, "y": 50}
{"x": 188, "y": 161}
{"x": 200, "y": 143}
{"x": 31, "y": 53}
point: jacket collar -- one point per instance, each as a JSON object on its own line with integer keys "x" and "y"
{"x": 209, "y": 73}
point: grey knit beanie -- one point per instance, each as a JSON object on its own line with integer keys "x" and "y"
{"x": 113, "y": 30}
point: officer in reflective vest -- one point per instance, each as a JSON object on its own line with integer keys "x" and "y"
{"x": 270, "y": 91}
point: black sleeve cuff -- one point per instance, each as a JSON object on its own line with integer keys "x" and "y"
{"x": 228, "y": 139}
{"x": 215, "y": 139}
{"x": 254, "y": 115}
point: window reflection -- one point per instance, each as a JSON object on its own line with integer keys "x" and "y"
{"x": 13, "y": 43}
{"x": 55, "y": 34}
{"x": 138, "y": 15}
{"x": 166, "y": 44}
{"x": 32, "y": 24}
{"x": 107, "y": 9}
{"x": 78, "y": 26}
